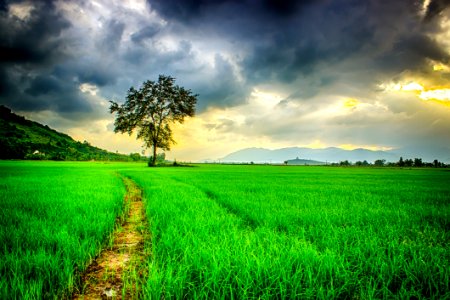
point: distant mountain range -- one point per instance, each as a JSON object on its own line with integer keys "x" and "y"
{"x": 24, "y": 139}
{"x": 333, "y": 154}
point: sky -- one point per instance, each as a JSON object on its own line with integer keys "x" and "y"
{"x": 369, "y": 74}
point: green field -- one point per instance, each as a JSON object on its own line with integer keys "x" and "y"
{"x": 54, "y": 217}
{"x": 233, "y": 231}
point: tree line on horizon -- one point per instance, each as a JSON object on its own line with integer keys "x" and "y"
{"x": 416, "y": 163}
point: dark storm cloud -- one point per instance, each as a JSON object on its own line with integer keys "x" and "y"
{"x": 3, "y": 6}
{"x": 283, "y": 40}
{"x": 46, "y": 91}
{"x": 29, "y": 50}
{"x": 42, "y": 85}
{"x": 152, "y": 61}
{"x": 288, "y": 41}
{"x": 87, "y": 70}
{"x": 40, "y": 66}
{"x": 308, "y": 46}
{"x": 411, "y": 52}
{"x": 7, "y": 86}
{"x": 191, "y": 10}
{"x": 435, "y": 7}
{"x": 316, "y": 35}
{"x": 35, "y": 40}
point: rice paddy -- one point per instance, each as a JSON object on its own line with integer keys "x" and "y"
{"x": 232, "y": 232}
{"x": 54, "y": 219}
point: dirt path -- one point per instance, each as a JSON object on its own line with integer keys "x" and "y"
{"x": 116, "y": 272}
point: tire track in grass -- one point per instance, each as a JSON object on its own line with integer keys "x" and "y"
{"x": 118, "y": 271}
{"x": 247, "y": 221}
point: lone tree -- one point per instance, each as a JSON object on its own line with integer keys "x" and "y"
{"x": 150, "y": 111}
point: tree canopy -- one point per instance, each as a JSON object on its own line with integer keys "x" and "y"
{"x": 150, "y": 110}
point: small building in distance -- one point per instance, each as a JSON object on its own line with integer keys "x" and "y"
{"x": 304, "y": 162}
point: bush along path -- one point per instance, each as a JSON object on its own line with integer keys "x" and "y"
{"x": 118, "y": 272}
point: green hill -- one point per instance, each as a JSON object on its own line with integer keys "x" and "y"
{"x": 24, "y": 139}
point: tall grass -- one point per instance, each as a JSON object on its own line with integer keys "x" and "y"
{"x": 316, "y": 232}
{"x": 232, "y": 232}
{"x": 54, "y": 217}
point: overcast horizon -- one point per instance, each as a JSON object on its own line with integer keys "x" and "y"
{"x": 350, "y": 74}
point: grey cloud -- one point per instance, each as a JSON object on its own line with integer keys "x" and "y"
{"x": 191, "y": 10}
{"x": 411, "y": 53}
{"x": 8, "y": 87}
{"x": 223, "y": 125}
{"x": 374, "y": 38}
{"x": 112, "y": 36}
{"x": 36, "y": 40}
{"x": 47, "y": 67}
{"x": 148, "y": 32}
{"x": 281, "y": 128}
{"x": 56, "y": 89}
{"x": 48, "y": 92}
{"x": 158, "y": 59}
{"x": 223, "y": 87}
{"x": 42, "y": 85}
{"x": 87, "y": 71}
{"x": 287, "y": 42}
{"x": 280, "y": 48}
{"x": 217, "y": 85}
{"x": 69, "y": 103}
{"x": 28, "y": 48}
{"x": 424, "y": 124}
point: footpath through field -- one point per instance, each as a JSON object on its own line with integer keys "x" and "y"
{"x": 116, "y": 272}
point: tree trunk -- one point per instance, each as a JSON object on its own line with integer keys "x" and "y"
{"x": 153, "y": 161}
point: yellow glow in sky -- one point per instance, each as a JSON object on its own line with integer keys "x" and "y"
{"x": 437, "y": 94}
{"x": 316, "y": 144}
{"x": 350, "y": 103}
{"x": 369, "y": 147}
{"x": 440, "y": 67}
{"x": 399, "y": 87}
{"x": 265, "y": 98}
{"x": 412, "y": 86}
{"x": 441, "y": 94}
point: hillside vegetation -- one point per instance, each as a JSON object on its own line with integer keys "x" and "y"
{"x": 24, "y": 139}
